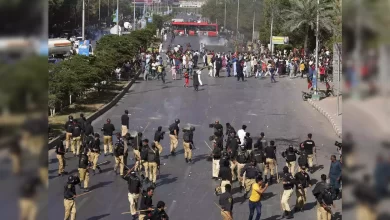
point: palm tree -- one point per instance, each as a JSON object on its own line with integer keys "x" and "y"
{"x": 302, "y": 15}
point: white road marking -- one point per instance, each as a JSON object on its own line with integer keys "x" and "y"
{"x": 171, "y": 207}
{"x": 146, "y": 127}
{"x": 208, "y": 145}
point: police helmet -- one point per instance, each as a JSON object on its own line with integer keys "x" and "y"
{"x": 70, "y": 179}
{"x": 192, "y": 128}
{"x": 145, "y": 140}
{"x": 70, "y": 117}
{"x": 126, "y": 111}
{"x": 177, "y": 121}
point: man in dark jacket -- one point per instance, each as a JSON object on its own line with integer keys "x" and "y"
{"x": 108, "y": 130}
{"x": 226, "y": 203}
{"x": 218, "y": 63}
{"x": 134, "y": 187}
{"x": 159, "y": 212}
{"x": 146, "y": 204}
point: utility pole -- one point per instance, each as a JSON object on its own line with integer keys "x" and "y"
{"x": 224, "y": 19}
{"x": 238, "y": 13}
{"x": 272, "y": 27}
{"x": 134, "y": 17}
{"x": 99, "y": 12}
{"x": 316, "y": 96}
{"x": 253, "y": 23}
{"x": 117, "y": 15}
{"x": 83, "y": 22}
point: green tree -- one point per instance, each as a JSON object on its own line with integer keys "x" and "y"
{"x": 302, "y": 15}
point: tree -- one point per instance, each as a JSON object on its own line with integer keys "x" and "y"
{"x": 302, "y": 15}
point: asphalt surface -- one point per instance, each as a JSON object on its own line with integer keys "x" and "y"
{"x": 188, "y": 190}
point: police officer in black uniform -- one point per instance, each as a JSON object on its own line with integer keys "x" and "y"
{"x": 302, "y": 160}
{"x": 60, "y": 151}
{"x": 88, "y": 129}
{"x": 69, "y": 196}
{"x": 302, "y": 181}
{"x": 108, "y": 130}
{"x": 159, "y": 212}
{"x": 259, "y": 156}
{"x": 158, "y": 136}
{"x": 153, "y": 161}
{"x": 242, "y": 160}
{"x": 233, "y": 163}
{"x": 233, "y": 142}
{"x": 84, "y": 166}
{"x": 94, "y": 148}
{"x": 68, "y": 128}
{"x": 248, "y": 142}
{"x": 270, "y": 154}
{"x": 146, "y": 204}
{"x": 288, "y": 186}
{"x": 173, "y": 135}
{"x": 76, "y": 138}
{"x": 134, "y": 187}
{"x": 226, "y": 203}
{"x": 291, "y": 156}
{"x": 229, "y": 129}
{"x": 310, "y": 148}
{"x": 119, "y": 151}
{"x": 225, "y": 175}
{"x": 216, "y": 164}
{"x": 251, "y": 172}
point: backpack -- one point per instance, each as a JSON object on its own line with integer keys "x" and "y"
{"x": 186, "y": 137}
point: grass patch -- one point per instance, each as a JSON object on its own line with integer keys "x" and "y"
{"x": 93, "y": 102}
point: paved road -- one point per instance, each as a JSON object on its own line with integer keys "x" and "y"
{"x": 275, "y": 109}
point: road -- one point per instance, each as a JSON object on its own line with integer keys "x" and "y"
{"x": 188, "y": 190}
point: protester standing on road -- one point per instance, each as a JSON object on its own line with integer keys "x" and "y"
{"x": 108, "y": 130}
{"x": 196, "y": 80}
{"x": 186, "y": 80}
{"x": 255, "y": 197}
{"x": 226, "y": 203}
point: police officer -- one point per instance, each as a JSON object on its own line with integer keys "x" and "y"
{"x": 108, "y": 130}
{"x": 28, "y": 207}
{"x": 144, "y": 152}
{"x": 218, "y": 129}
{"x": 302, "y": 160}
{"x": 188, "y": 141}
{"x": 159, "y": 212}
{"x": 134, "y": 187}
{"x": 226, "y": 203}
{"x": 225, "y": 174}
{"x": 288, "y": 186}
{"x": 76, "y": 138}
{"x": 251, "y": 172}
{"x": 153, "y": 161}
{"x": 83, "y": 169}
{"x": 233, "y": 163}
{"x": 270, "y": 154}
{"x": 95, "y": 152}
{"x": 233, "y": 142}
{"x": 324, "y": 203}
{"x": 259, "y": 156}
{"x": 310, "y": 148}
{"x": 125, "y": 123}
{"x": 118, "y": 153}
{"x": 68, "y": 129}
{"x": 158, "y": 136}
{"x": 242, "y": 160}
{"x": 60, "y": 151}
{"x": 302, "y": 181}
{"x": 248, "y": 142}
{"x": 174, "y": 134}
{"x": 88, "y": 129}
{"x": 69, "y": 196}
{"x": 291, "y": 156}
{"x": 216, "y": 156}
{"x": 146, "y": 203}
{"x": 137, "y": 147}
{"x": 229, "y": 129}
{"x": 82, "y": 121}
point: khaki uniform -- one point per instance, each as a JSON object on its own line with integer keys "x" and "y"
{"x": 16, "y": 163}
{"x": 174, "y": 142}
{"x": 70, "y": 209}
{"x": 152, "y": 167}
{"x": 76, "y": 142}
{"x": 145, "y": 164}
{"x": 187, "y": 150}
{"x": 68, "y": 138}
{"x": 158, "y": 145}
{"x": 119, "y": 162}
{"x": 223, "y": 184}
{"x": 291, "y": 167}
{"x": 107, "y": 140}
{"x": 301, "y": 198}
{"x": 61, "y": 163}
{"x": 248, "y": 184}
{"x": 28, "y": 209}
{"x": 310, "y": 160}
{"x": 285, "y": 197}
{"x": 124, "y": 130}
{"x": 239, "y": 168}
{"x": 233, "y": 166}
{"x": 270, "y": 166}
{"x": 225, "y": 215}
{"x": 133, "y": 199}
{"x": 364, "y": 212}
{"x": 84, "y": 176}
{"x": 215, "y": 168}
{"x": 322, "y": 214}
{"x": 94, "y": 159}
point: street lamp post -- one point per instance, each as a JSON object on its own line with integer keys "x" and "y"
{"x": 83, "y": 22}
{"x": 316, "y": 96}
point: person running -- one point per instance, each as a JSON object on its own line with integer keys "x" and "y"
{"x": 254, "y": 199}
{"x": 186, "y": 80}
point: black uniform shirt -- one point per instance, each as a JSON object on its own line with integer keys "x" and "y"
{"x": 83, "y": 161}
{"x": 76, "y": 130}
{"x": 226, "y": 201}
{"x": 225, "y": 173}
{"x": 251, "y": 171}
{"x": 258, "y": 155}
{"x": 60, "y": 149}
{"x": 176, "y": 128}
{"x": 146, "y": 202}
{"x": 134, "y": 184}
{"x": 303, "y": 179}
{"x": 157, "y": 136}
{"x": 68, "y": 126}
{"x": 125, "y": 120}
{"x": 96, "y": 146}
{"x": 217, "y": 153}
{"x": 88, "y": 129}
{"x": 308, "y": 145}
{"x": 248, "y": 143}
{"x": 287, "y": 177}
{"x": 270, "y": 152}
{"x": 108, "y": 129}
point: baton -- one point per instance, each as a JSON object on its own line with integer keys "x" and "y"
{"x": 81, "y": 194}
{"x": 129, "y": 171}
{"x": 230, "y": 218}
{"x": 208, "y": 145}
{"x": 277, "y": 173}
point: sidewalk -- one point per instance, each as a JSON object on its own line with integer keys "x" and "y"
{"x": 326, "y": 106}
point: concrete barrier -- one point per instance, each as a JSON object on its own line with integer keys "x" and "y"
{"x": 101, "y": 111}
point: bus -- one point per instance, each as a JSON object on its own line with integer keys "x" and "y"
{"x": 195, "y": 28}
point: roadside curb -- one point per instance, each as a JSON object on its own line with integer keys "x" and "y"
{"x": 101, "y": 111}
{"x": 328, "y": 116}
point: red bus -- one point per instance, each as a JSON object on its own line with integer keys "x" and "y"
{"x": 195, "y": 28}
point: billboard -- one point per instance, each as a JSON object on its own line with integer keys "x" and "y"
{"x": 84, "y": 48}
{"x": 280, "y": 40}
